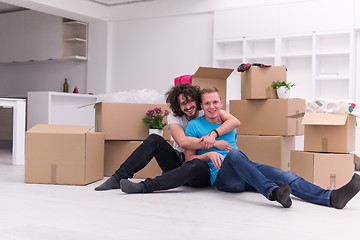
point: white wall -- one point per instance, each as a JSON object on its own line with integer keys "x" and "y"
{"x": 150, "y": 53}
{"x": 18, "y": 79}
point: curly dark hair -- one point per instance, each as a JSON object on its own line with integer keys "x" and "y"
{"x": 188, "y": 91}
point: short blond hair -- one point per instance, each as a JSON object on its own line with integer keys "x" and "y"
{"x": 209, "y": 90}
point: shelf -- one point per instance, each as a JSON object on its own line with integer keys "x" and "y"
{"x": 75, "y": 40}
{"x": 332, "y": 78}
{"x": 333, "y": 53}
{"x": 75, "y": 23}
{"x": 296, "y": 55}
{"x": 228, "y": 59}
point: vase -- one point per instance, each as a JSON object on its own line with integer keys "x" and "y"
{"x": 156, "y": 131}
{"x": 282, "y": 92}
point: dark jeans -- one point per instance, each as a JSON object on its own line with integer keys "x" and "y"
{"x": 195, "y": 173}
{"x": 239, "y": 174}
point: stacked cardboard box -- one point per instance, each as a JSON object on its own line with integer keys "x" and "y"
{"x": 124, "y": 132}
{"x": 328, "y": 140}
{"x": 266, "y": 133}
{"x": 63, "y": 154}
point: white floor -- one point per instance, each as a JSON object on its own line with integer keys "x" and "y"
{"x": 38, "y": 211}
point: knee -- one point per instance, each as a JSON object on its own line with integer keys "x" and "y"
{"x": 196, "y": 165}
{"x": 235, "y": 154}
{"x": 154, "y": 138}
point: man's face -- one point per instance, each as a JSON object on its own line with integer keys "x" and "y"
{"x": 211, "y": 104}
{"x": 188, "y": 106}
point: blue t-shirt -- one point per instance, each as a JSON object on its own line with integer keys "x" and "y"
{"x": 201, "y": 127}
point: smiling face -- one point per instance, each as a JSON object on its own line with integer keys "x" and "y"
{"x": 188, "y": 106}
{"x": 211, "y": 104}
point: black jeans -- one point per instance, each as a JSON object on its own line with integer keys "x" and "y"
{"x": 194, "y": 173}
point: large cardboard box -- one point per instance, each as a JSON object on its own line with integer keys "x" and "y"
{"x": 123, "y": 121}
{"x": 327, "y": 132}
{"x": 268, "y": 116}
{"x": 327, "y": 170}
{"x": 63, "y": 154}
{"x": 206, "y": 77}
{"x": 116, "y": 152}
{"x": 256, "y": 82}
{"x": 269, "y": 150}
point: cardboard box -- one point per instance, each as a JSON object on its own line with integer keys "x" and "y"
{"x": 116, "y": 152}
{"x": 63, "y": 154}
{"x": 268, "y": 116}
{"x": 256, "y": 82}
{"x": 269, "y": 150}
{"x": 327, "y": 132}
{"x": 327, "y": 170}
{"x": 123, "y": 121}
{"x": 206, "y": 77}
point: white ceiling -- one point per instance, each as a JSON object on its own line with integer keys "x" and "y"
{"x": 4, "y": 7}
{"x": 118, "y": 2}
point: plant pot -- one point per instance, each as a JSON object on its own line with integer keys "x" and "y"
{"x": 156, "y": 131}
{"x": 282, "y": 92}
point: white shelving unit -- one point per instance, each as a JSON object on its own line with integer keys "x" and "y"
{"x": 60, "y": 108}
{"x": 320, "y": 64}
{"x": 75, "y": 40}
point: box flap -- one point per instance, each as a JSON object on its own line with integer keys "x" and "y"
{"x": 213, "y": 73}
{"x": 356, "y": 158}
{"x": 47, "y": 128}
{"x": 324, "y": 119}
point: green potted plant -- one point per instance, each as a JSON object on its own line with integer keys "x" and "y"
{"x": 283, "y": 89}
{"x": 154, "y": 118}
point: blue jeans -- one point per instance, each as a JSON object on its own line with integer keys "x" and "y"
{"x": 239, "y": 174}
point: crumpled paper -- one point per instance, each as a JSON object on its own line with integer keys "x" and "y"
{"x": 146, "y": 95}
{"x": 330, "y": 106}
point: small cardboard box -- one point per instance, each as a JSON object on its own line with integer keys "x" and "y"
{"x": 123, "y": 121}
{"x": 63, "y": 154}
{"x": 116, "y": 152}
{"x": 269, "y": 150}
{"x": 206, "y": 77}
{"x": 327, "y": 170}
{"x": 327, "y": 132}
{"x": 268, "y": 116}
{"x": 256, "y": 82}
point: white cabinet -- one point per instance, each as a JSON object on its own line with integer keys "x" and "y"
{"x": 314, "y": 16}
{"x": 34, "y": 36}
{"x": 237, "y": 23}
{"x": 75, "y": 40}
{"x": 320, "y": 64}
{"x": 60, "y": 108}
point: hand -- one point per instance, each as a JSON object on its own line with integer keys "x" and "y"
{"x": 223, "y": 145}
{"x": 216, "y": 159}
{"x": 207, "y": 142}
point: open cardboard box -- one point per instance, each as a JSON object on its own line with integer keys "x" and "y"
{"x": 206, "y": 77}
{"x": 329, "y": 132}
{"x": 256, "y": 82}
{"x": 63, "y": 154}
{"x": 327, "y": 170}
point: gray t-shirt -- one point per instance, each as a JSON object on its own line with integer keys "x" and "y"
{"x": 182, "y": 121}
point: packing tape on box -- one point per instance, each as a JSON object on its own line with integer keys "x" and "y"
{"x": 324, "y": 144}
{"x": 53, "y": 173}
{"x": 332, "y": 181}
